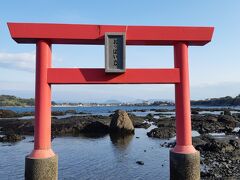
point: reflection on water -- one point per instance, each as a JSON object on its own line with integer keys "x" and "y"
{"x": 121, "y": 141}
{"x": 91, "y": 135}
{"x": 99, "y": 158}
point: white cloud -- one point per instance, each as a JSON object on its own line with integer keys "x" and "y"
{"x": 21, "y": 61}
{"x": 18, "y": 61}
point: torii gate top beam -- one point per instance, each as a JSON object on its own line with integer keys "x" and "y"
{"x": 94, "y": 34}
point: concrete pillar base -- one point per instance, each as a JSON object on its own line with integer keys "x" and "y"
{"x": 184, "y": 166}
{"x": 41, "y": 169}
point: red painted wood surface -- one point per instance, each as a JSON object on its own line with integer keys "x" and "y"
{"x": 182, "y": 102}
{"x": 42, "y": 122}
{"x": 94, "y": 34}
{"x": 98, "y": 76}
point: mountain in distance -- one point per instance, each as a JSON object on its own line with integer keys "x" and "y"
{"x": 113, "y": 101}
{"x": 163, "y": 100}
{"x": 9, "y": 100}
{"x": 137, "y": 101}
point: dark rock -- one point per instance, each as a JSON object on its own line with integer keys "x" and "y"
{"x": 83, "y": 113}
{"x": 70, "y": 111}
{"x": 140, "y": 162}
{"x": 227, "y": 112}
{"x": 164, "y": 110}
{"x": 16, "y": 126}
{"x": 220, "y": 158}
{"x": 58, "y": 113}
{"x": 165, "y": 122}
{"x": 96, "y": 127}
{"x": 86, "y": 125}
{"x": 7, "y": 113}
{"x": 31, "y": 113}
{"x": 218, "y": 146}
{"x": 142, "y": 125}
{"x": 162, "y": 132}
{"x": 149, "y": 116}
{"x": 226, "y": 119}
{"x": 138, "y": 122}
{"x": 121, "y": 123}
{"x": 11, "y": 138}
{"x": 212, "y": 119}
{"x": 194, "y": 111}
{"x": 198, "y": 141}
{"x": 235, "y": 143}
{"x": 213, "y": 123}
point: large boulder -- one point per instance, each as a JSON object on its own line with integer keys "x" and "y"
{"x": 121, "y": 123}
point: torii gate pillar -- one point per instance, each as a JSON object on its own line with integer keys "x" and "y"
{"x": 184, "y": 159}
{"x": 42, "y": 163}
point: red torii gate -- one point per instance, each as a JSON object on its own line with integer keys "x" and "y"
{"x": 42, "y": 162}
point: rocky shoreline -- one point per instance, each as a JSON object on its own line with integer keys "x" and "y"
{"x": 70, "y": 126}
{"x": 220, "y": 157}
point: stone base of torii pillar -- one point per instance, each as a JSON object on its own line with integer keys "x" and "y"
{"x": 184, "y": 166}
{"x": 41, "y": 169}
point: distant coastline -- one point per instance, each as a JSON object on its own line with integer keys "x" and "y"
{"x": 13, "y": 101}
{"x": 222, "y": 101}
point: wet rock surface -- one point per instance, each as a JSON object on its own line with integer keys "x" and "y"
{"x": 204, "y": 123}
{"x": 144, "y": 125}
{"x": 7, "y": 113}
{"x": 213, "y": 123}
{"x": 220, "y": 157}
{"x": 11, "y": 138}
{"x": 69, "y": 126}
{"x": 162, "y": 132}
{"x": 95, "y": 128}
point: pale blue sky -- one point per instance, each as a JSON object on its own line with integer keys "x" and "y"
{"x": 214, "y": 68}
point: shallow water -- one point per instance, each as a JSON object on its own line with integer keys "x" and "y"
{"x": 92, "y": 109}
{"x": 94, "y": 158}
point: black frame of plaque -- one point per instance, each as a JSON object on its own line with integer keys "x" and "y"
{"x": 110, "y": 61}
